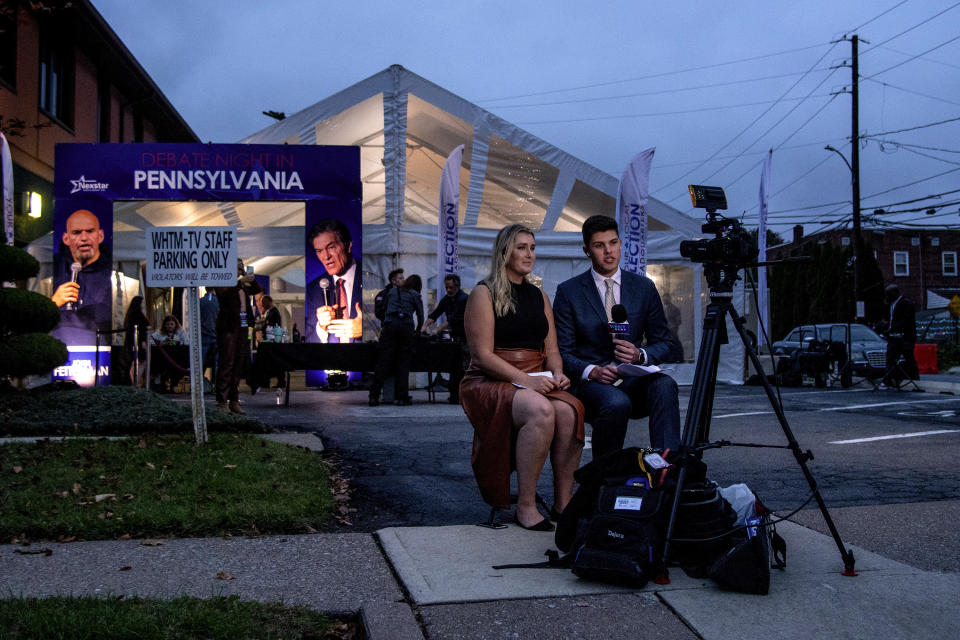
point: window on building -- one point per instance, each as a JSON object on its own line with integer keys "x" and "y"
{"x": 949, "y": 260}
{"x": 8, "y": 44}
{"x": 56, "y": 77}
{"x": 901, "y": 263}
{"x": 915, "y": 241}
{"x": 934, "y": 242}
{"x": 845, "y": 241}
{"x": 103, "y": 110}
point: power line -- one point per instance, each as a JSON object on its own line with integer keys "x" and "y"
{"x": 935, "y": 61}
{"x": 750, "y": 153}
{"x": 755, "y": 120}
{"x": 917, "y": 93}
{"x": 910, "y": 184}
{"x": 899, "y": 64}
{"x": 667, "y": 113}
{"x": 699, "y": 87}
{"x": 879, "y": 15}
{"x": 927, "y": 155}
{"x": 653, "y": 75}
{"x": 909, "y": 29}
{"x": 921, "y": 126}
{"x": 915, "y": 146}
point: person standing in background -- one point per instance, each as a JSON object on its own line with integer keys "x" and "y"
{"x": 453, "y": 306}
{"x": 209, "y": 309}
{"x": 233, "y": 344}
{"x": 397, "y": 340}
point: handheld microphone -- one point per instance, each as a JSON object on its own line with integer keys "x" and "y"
{"x": 619, "y": 328}
{"x": 324, "y": 285}
{"x": 74, "y": 275}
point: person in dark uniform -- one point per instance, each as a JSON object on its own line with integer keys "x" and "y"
{"x": 397, "y": 340}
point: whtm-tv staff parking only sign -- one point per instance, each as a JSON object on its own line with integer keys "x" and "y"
{"x": 191, "y": 256}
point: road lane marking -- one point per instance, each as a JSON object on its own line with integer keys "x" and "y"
{"x": 737, "y": 415}
{"x": 898, "y": 435}
{"x": 888, "y": 404}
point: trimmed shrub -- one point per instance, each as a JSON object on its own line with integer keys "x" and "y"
{"x": 31, "y": 353}
{"x": 33, "y": 312}
{"x": 16, "y": 264}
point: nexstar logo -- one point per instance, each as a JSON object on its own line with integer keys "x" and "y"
{"x": 88, "y": 185}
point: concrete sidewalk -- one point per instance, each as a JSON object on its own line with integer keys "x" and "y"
{"x": 445, "y": 581}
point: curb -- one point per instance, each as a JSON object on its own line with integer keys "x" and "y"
{"x": 389, "y": 621}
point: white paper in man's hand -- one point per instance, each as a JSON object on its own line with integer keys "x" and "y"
{"x": 636, "y": 370}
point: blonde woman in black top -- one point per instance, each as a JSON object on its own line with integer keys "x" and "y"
{"x": 509, "y": 328}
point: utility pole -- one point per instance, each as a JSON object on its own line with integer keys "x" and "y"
{"x": 860, "y": 311}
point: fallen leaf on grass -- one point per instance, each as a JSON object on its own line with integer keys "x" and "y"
{"x": 35, "y": 552}
{"x": 151, "y": 543}
{"x": 66, "y": 538}
{"x": 128, "y": 496}
{"x": 142, "y": 444}
{"x": 105, "y": 515}
{"x": 151, "y": 466}
{"x": 125, "y": 536}
{"x": 100, "y": 497}
{"x": 229, "y": 466}
{"x": 76, "y": 488}
{"x": 224, "y": 575}
{"x": 61, "y": 494}
{"x": 17, "y": 469}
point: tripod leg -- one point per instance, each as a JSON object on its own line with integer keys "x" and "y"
{"x": 696, "y": 426}
{"x": 802, "y": 457}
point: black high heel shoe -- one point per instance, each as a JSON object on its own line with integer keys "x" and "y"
{"x": 543, "y": 525}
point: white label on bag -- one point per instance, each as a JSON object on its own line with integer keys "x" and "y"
{"x": 656, "y": 461}
{"x": 627, "y": 503}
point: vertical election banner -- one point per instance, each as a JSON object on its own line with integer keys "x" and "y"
{"x": 449, "y": 218}
{"x": 762, "y": 302}
{"x": 6, "y": 178}
{"x": 632, "y": 211}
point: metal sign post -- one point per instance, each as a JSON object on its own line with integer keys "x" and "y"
{"x": 190, "y": 257}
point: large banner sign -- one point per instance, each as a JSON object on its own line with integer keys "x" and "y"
{"x": 448, "y": 219}
{"x": 90, "y": 177}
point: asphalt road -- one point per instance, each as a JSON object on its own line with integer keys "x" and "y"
{"x": 410, "y": 466}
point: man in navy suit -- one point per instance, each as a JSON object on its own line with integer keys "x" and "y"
{"x": 581, "y": 312}
{"x": 334, "y": 299}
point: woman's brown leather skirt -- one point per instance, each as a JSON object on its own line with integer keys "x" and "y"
{"x": 488, "y": 404}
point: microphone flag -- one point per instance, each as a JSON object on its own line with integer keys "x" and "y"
{"x": 632, "y": 211}
{"x": 6, "y": 178}
{"x": 448, "y": 219}
{"x": 762, "y": 302}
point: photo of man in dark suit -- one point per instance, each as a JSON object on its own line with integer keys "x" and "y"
{"x": 582, "y": 311}
{"x": 335, "y": 298}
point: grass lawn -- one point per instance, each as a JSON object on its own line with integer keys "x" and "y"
{"x": 187, "y": 618}
{"x": 159, "y": 485}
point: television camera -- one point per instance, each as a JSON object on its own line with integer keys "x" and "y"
{"x": 728, "y": 251}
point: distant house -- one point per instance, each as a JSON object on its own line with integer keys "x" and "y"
{"x": 65, "y": 76}
{"x": 922, "y": 262}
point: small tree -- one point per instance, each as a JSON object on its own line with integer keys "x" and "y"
{"x": 26, "y": 348}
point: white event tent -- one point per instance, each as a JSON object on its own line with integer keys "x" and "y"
{"x": 405, "y": 127}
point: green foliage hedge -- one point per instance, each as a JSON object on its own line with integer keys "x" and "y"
{"x": 57, "y": 410}
{"x": 33, "y": 312}
{"x": 16, "y": 264}
{"x": 31, "y": 353}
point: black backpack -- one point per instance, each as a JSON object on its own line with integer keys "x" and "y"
{"x": 380, "y": 304}
{"x": 613, "y": 528}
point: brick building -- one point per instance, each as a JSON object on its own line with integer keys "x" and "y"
{"x": 65, "y": 76}
{"x": 922, "y": 262}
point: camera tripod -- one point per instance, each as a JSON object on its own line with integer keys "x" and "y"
{"x": 696, "y": 429}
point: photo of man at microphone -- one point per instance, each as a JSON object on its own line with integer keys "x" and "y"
{"x": 606, "y": 317}
{"x": 335, "y": 295}
{"x": 81, "y": 279}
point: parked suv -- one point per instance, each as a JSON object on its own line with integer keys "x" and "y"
{"x": 868, "y": 351}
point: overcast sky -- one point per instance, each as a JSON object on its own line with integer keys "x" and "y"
{"x": 712, "y": 85}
